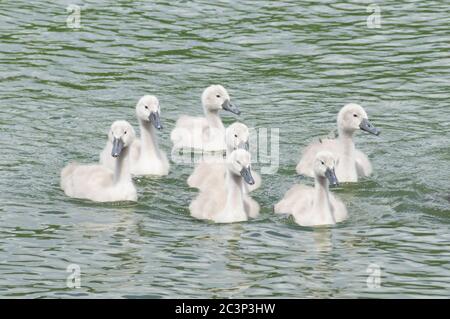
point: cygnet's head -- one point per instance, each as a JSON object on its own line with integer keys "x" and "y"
{"x": 239, "y": 163}
{"x": 148, "y": 110}
{"x": 121, "y": 135}
{"x": 215, "y": 98}
{"x": 352, "y": 117}
{"x": 237, "y": 136}
{"x": 324, "y": 167}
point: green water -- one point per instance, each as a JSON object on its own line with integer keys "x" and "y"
{"x": 289, "y": 65}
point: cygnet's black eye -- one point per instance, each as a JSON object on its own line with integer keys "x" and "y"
{"x": 125, "y": 132}
{"x": 355, "y": 115}
{"x": 235, "y": 135}
{"x": 217, "y": 95}
{"x": 323, "y": 163}
{"x": 146, "y": 107}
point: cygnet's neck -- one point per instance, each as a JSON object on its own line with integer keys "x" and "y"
{"x": 321, "y": 203}
{"x": 346, "y": 168}
{"x": 122, "y": 169}
{"x": 235, "y": 201}
{"x": 345, "y": 139}
{"x": 214, "y": 120}
{"x": 149, "y": 140}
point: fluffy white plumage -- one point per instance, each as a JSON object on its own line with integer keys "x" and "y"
{"x": 212, "y": 171}
{"x": 99, "y": 183}
{"x": 227, "y": 202}
{"x": 145, "y": 156}
{"x": 315, "y": 206}
{"x": 204, "y": 133}
{"x": 351, "y": 162}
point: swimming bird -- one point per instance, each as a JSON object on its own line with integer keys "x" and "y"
{"x": 315, "y": 206}
{"x": 99, "y": 183}
{"x": 205, "y": 133}
{"x": 351, "y": 161}
{"x": 227, "y": 202}
{"x": 212, "y": 172}
{"x": 145, "y": 156}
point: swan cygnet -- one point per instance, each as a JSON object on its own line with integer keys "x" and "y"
{"x": 145, "y": 156}
{"x": 207, "y": 174}
{"x": 351, "y": 161}
{"x": 228, "y": 202}
{"x": 99, "y": 183}
{"x": 205, "y": 133}
{"x": 315, "y": 206}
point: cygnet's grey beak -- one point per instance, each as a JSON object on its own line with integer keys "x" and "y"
{"x": 228, "y": 106}
{"x": 247, "y": 175}
{"x": 117, "y": 147}
{"x": 368, "y": 127}
{"x": 244, "y": 146}
{"x": 155, "y": 120}
{"x": 331, "y": 175}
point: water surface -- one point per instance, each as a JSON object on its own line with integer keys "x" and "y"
{"x": 290, "y": 65}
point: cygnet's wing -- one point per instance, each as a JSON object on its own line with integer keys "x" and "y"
{"x": 339, "y": 208}
{"x": 363, "y": 165}
{"x": 93, "y": 176}
{"x": 206, "y": 174}
{"x": 251, "y": 207}
{"x": 87, "y": 181}
{"x": 208, "y": 203}
{"x": 186, "y": 127}
{"x": 191, "y": 122}
{"x": 66, "y": 174}
{"x": 197, "y": 207}
{"x": 306, "y": 164}
{"x": 293, "y": 197}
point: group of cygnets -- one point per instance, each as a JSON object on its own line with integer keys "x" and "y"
{"x": 224, "y": 185}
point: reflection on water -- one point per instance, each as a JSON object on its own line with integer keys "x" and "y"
{"x": 322, "y": 239}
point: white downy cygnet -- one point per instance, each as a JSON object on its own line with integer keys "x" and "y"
{"x": 204, "y": 133}
{"x": 227, "y": 202}
{"x": 99, "y": 183}
{"x": 145, "y": 157}
{"x": 315, "y": 206}
{"x": 209, "y": 173}
{"x": 351, "y": 161}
